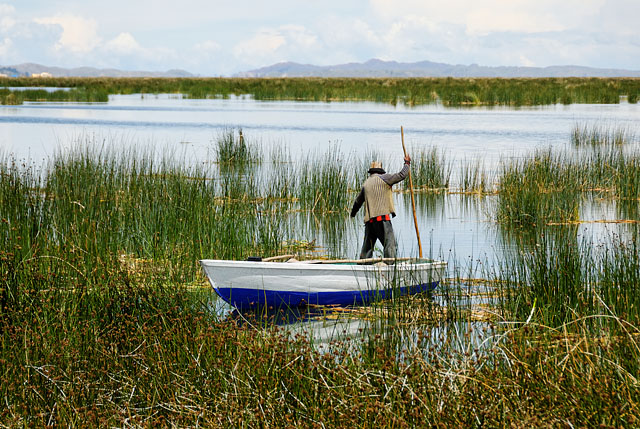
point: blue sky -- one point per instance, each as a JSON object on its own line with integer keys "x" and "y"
{"x": 213, "y": 38}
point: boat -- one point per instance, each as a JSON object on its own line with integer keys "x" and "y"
{"x": 298, "y": 283}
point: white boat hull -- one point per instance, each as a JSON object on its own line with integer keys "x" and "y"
{"x": 276, "y": 284}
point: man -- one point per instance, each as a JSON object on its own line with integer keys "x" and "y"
{"x": 377, "y": 197}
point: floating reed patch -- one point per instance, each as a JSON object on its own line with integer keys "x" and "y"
{"x": 324, "y": 182}
{"x": 233, "y": 150}
{"x": 474, "y": 178}
{"x": 538, "y": 190}
{"x": 597, "y": 134}
{"x": 429, "y": 170}
{"x": 409, "y": 91}
{"x": 560, "y": 277}
{"x": 627, "y": 178}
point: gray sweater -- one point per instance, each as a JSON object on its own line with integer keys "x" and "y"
{"x": 376, "y": 194}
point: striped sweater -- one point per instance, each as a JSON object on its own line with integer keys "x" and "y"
{"x": 376, "y": 194}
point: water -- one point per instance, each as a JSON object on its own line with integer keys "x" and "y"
{"x": 36, "y": 129}
{"x": 456, "y": 225}
{"x": 35, "y": 88}
{"x": 456, "y": 228}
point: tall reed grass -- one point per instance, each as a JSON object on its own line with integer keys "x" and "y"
{"x": 99, "y": 327}
{"x": 429, "y": 170}
{"x": 561, "y": 279}
{"x": 541, "y": 189}
{"x": 88, "y": 94}
{"x": 586, "y": 134}
{"x": 627, "y": 177}
{"x": 324, "y": 182}
{"x": 235, "y": 151}
{"x": 474, "y": 178}
{"x": 409, "y": 91}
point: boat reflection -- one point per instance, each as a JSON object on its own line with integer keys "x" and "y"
{"x": 262, "y": 315}
{"x": 322, "y": 325}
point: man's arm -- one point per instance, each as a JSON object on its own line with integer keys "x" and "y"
{"x": 357, "y": 203}
{"x": 393, "y": 178}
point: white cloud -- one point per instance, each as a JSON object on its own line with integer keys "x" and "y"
{"x": 123, "y": 43}
{"x": 6, "y": 19}
{"x": 6, "y": 9}
{"x": 600, "y": 33}
{"x": 79, "y": 35}
{"x": 484, "y": 16}
{"x": 284, "y": 43}
{"x": 5, "y": 46}
{"x": 263, "y": 45}
{"x": 526, "y": 62}
{"x": 207, "y": 47}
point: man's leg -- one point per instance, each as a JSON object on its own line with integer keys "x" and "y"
{"x": 369, "y": 241}
{"x": 389, "y": 240}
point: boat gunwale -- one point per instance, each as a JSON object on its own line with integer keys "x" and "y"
{"x": 401, "y": 265}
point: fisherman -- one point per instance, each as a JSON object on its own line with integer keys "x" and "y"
{"x": 377, "y": 198}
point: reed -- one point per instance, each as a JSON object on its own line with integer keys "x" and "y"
{"x": 85, "y": 95}
{"x": 409, "y": 91}
{"x": 235, "y": 151}
{"x": 103, "y": 322}
{"x": 538, "y": 190}
{"x": 474, "y": 178}
{"x": 429, "y": 170}
{"x": 599, "y": 166}
{"x": 627, "y": 177}
{"x": 585, "y": 134}
{"x": 561, "y": 279}
{"x": 324, "y": 182}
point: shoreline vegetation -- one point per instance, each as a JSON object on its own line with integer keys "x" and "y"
{"x": 453, "y": 92}
{"x": 106, "y": 319}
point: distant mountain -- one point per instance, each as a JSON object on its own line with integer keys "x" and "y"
{"x": 28, "y": 69}
{"x": 379, "y": 68}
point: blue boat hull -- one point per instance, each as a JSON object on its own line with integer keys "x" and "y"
{"x": 243, "y": 297}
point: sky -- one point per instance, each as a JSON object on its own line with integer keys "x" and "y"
{"x": 220, "y": 38}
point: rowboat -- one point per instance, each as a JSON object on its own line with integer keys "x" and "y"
{"x": 292, "y": 284}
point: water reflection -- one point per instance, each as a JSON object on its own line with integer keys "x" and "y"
{"x": 354, "y": 328}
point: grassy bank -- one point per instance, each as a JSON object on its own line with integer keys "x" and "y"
{"x": 164, "y": 365}
{"x": 103, "y": 320}
{"x": 409, "y": 91}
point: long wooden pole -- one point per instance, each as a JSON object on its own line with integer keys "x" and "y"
{"x": 413, "y": 202}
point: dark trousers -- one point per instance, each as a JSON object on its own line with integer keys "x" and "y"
{"x": 379, "y": 230}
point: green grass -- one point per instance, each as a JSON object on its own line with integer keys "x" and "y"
{"x": 324, "y": 182}
{"x": 409, "y": 91}
{"x": 235, "y": 151}
{"x": 87, "y": 94}
{"x": 627, "y": 178}
{"x": 558, "y": 278}
{"x": 429, "y": 170}
{"x": 586, "y": 134}
{"x": 541, "y": 189}
{"x": 474, "y": 178}
{"x": 106, "y": 320}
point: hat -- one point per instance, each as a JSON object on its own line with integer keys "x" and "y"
{"x": 376, "y": 168}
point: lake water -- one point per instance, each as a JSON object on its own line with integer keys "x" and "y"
{"x": 451, "y": 225}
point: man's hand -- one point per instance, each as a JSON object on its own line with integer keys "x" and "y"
{"x": 407, "y": 159}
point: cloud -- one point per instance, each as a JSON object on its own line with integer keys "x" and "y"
{"x": 123, "y": 43}
{"x": 79, "y": 35}
{"x": 6, "y": 19}
{"x": 6, "y": 9}
{"x": 482, "y": 17}
{"x": 207, "y": 47}
{"x": 263, "y": 44}
{"x": 598, "y": 33}
{"x": 5, "y": 46}
{"x": 278, "y": 44}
